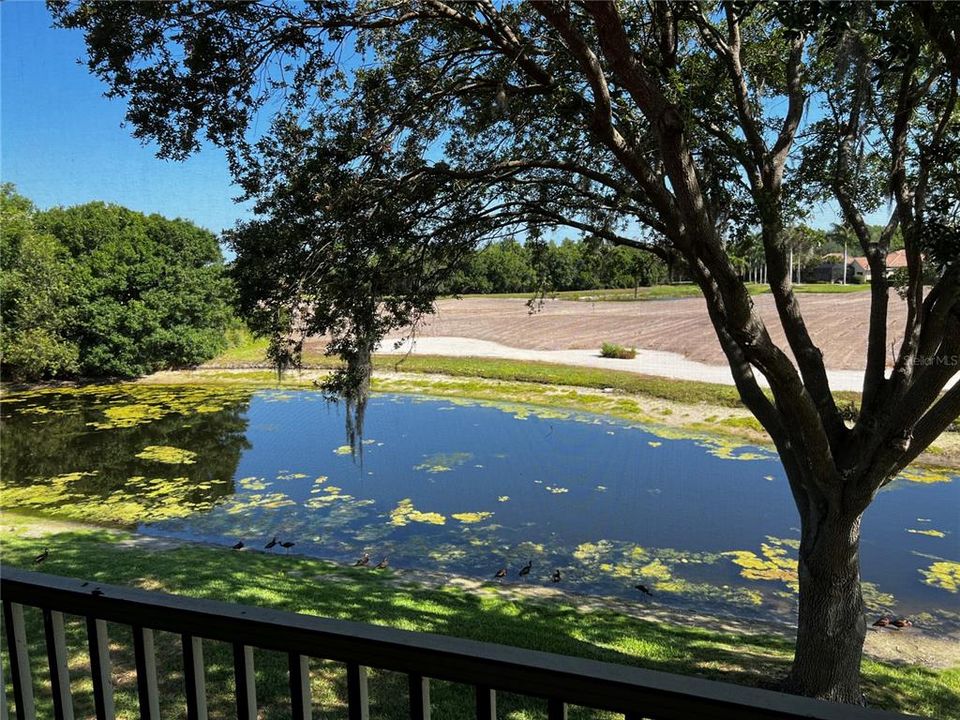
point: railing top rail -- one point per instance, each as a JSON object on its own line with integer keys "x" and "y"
{"x": 581, "y": 682}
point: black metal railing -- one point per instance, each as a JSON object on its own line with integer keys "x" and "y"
{"x": 487, "y": 667}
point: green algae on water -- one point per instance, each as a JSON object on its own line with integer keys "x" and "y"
{"x": 943, "y": 574}
{"x": 405, "y": 513}
{"x": 167, "y": 454}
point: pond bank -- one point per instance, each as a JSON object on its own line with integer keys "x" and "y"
{"x": 545, "y": 619}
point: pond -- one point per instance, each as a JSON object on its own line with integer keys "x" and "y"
{"x": 465, "y": 488}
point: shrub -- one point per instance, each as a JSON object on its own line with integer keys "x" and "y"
{"x": 611, "y": 350}
{"x": 848, "y": 410}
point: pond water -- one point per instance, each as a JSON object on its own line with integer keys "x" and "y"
{"x": 465, "y": 488}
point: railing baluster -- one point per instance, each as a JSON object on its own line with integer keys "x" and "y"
{"x": 301, "y": 702}
{"x": 556, "y": 709}
{"x": 19, "y": 661}
{"x": 57, "y": 658}
{"x": 3, "y": 694}
{"x": 193, "y": 677}
{"x": 245, "y": 683}
{"x": 633, "y": 693}
{"x": 100, "y": 668}
{"x": 358, "y": 704}
{"x": 419, "y": 698}
{"x": 146, "y": 659}
{"x": 486, "y": 703}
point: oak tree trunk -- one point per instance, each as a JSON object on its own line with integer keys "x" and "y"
{"x": 831, "y": 626}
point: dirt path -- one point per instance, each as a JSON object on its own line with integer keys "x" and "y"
{"x": 647, "y": 362}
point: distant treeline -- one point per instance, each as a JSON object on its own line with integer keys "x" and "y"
{"x": 510, "y": 267}
{"x": 99, "y": 290}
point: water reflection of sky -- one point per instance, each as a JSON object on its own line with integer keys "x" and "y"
{"x": 552, "y": 486}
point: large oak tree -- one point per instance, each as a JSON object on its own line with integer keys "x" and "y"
{"x": 383, "y": 139}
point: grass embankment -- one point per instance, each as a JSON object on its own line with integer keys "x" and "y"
{"x": 252, "y": 355}
{"x": 665, "y": 292}
{"x": 315, "y": 587}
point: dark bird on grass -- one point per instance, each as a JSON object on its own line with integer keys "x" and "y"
{"x": 287, "y": 544}
{"x": 365, "y": 560}
{"x": 501, "y": 573}
{"x": 644, "y": 589}
{"x": 883, "y": 621}
{"x": 382, "y": 564}
{"x": 271, "y": 543}
{"x": 238, "y": 545}
{"x": 525, "y": 570}
{"x": 41, "y": 557}
{"x": 556, "y": 577}
{"x": 902, "y": 623}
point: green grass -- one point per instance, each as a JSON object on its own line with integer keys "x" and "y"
{"x": 309, "y": 586}
{"x": 666, "y": 292}
{"x": 828, "y": 289}
{"x": 654, "y": 292}
{"x": 543, "y": 373}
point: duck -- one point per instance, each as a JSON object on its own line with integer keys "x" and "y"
{"x": 500, "y": 574}
{"x": 556, "y": 577}
{"x": 365, "y": 560}
{"x": 238, "y": 545}
{"x": 525, "y": 570}
{"x": 271, "y": 543}
{"x": 644, "y": 589}
{"x": 287, "y": 544}
{"x": 42, "y": 556}
{"x": 382, "y": 564}
{"x": 902, "y": 623}
{"x": 883, "y": 621}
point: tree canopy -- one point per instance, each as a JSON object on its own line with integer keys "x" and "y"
{"x": 99, "y": 290}
{"x": 404, "y": 133}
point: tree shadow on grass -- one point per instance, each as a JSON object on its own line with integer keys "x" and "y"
{"x": 313, "y": 587}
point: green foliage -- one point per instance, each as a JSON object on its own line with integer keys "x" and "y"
{"x": 101, "y": 290}
{"x": 37, "y": 354}
{"x": 36, "y": 295}
{"x": 506, "y": 266}
{"x": 612, "y": 350}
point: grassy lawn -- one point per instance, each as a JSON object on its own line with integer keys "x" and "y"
{"x": 527, "y": 371}
{"x": 828, "y": 289}
{"x": 315, "y": 587}
{"x": 668, "y": 292}
{"x": 655, "y": 292}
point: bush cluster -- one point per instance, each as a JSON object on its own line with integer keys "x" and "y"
{"x": 98, "y": 290}
{"x": 611, "y": 350}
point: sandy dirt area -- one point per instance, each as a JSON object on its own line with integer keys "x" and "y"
{"x": 837, "y": 323}
{"x": 674, "y": 338}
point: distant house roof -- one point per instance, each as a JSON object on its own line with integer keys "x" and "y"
{"x": 897, "y": 259}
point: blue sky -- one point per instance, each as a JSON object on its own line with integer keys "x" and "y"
{"x": 61, "y": 140}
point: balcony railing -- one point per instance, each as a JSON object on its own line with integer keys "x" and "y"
{"x": 488, "y": 668}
